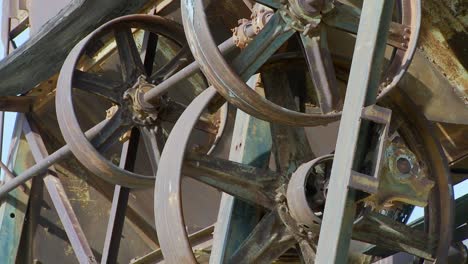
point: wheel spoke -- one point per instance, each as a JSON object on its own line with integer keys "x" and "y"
{"x": 149, "y": 46}
{"x": 131, "y": 64}
{"x": 152, "y": 146}
{"x": 290, "y": 145}
{"x": 384, "y": 232}
{"x": 346, "y": 18}
{"x": 270, "y": 3}
{"x": 97, "y": 84}
{"x": 307, "y": 252}
{"x": 176, "y": 63}
{"x": 321, "y": 71}
{"x": 268, "y": 241}
{"x": 173, "y": 111}
{"x": 110, "y": 133}
{"x": 265, "y": 44}
{"x": 248, "y": 183}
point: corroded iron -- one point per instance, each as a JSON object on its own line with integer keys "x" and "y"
{"x": 276, "y": 33}
{"x": 401, "y": 179}
{"x": 132, "y": 108}
{"x": 410, "y": 170}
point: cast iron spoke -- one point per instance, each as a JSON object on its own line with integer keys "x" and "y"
{"x": 271, "y": 3}
{"x": 346, "y": 18}
{"x": 248, "y": 183}
{"x": 120, "y": 201}
{"x": 173, "y": 111}
{"x": 152, "y": 146}
{"x": 384, "y": 232}
{"x": 130, "y": 61}
{"x": 268, "y": 241}
{"x": 110, "y": 133}
{"x": 343, "y": 17}
{"x": 97, "y": 84}
{"x": 307, "y": 251}
{"x": 262, "y": 47}
{"x": 321, "y": 70}
{"x": 150, "y": 43}
{"x": 179, "y": 61}
{"x": 290, "y": 145}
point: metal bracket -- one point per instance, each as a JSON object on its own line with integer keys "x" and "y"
{"x": 363, "y": 182}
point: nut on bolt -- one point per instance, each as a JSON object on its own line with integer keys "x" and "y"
{"x": 279, "y": 198}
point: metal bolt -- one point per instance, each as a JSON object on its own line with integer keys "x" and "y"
{"x": 404, "y": 45}
{"x": 279, "y": 198}
{"x": 301, "y": 230}
{"x": 404, "y": 165}
{"x": 407, "y": 30}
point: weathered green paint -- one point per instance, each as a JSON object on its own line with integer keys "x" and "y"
{"x": 364, "y": 79}
{"x": 12, "y": 212}
{"x": 251, "y": 144}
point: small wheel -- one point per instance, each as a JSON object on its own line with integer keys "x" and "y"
{"x": 122, "y": 92}
{"x": 273, "y": 29}
{"x": 278, "y": 230}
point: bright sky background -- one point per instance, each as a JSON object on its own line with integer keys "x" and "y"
{"x": 9, "y": 116}
{"x": 460, "y": 189}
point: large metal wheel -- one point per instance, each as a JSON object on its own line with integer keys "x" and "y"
{"x": 308, "y": 20}
{"x": 292, "y": 218}
{"x": 124, "y": 93}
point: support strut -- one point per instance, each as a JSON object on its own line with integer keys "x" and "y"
{"x": 362, "y": 90}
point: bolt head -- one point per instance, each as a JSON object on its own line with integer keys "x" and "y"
{"x": 279, "y": 198}
{"x": 404, "y": 165}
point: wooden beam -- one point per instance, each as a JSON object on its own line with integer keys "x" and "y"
{"x": 43, "y": 54}
{"x": 20, "y": 104}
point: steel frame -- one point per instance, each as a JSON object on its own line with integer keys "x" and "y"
{"x": 364, "y": 73}
{"x": 362, "y": 91}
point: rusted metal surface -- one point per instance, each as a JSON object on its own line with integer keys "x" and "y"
{"x": 401, "y": 179}
{"x": 230, "y": 85}
{"x": 51, "y": 45}
{"x": 413, "y": 241}
{"x": 120, "y": 202}
{"x": 168, "y": 208}
{"x": 443, "y": 42}
{"x": 250, "y": 144}
{"x": 281, "y": 226}
{"x": 21, "y": 104}
{"x": 281, "y": 27}
{"x": 13, "y": 207}
{"x": 59, "y": 198}
{"x": 132, "y": 109}
{"x": 200, "y": 241}
{"x": 454, "y": 140}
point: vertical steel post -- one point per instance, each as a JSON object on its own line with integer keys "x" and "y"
{"x": 251, "y": 144}
{"x": 14, "y": 205}
{"x": 362, "y": 89}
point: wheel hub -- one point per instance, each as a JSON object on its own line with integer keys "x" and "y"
{"x": 142, "y": 112}
{"x": 304, "y": 15}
